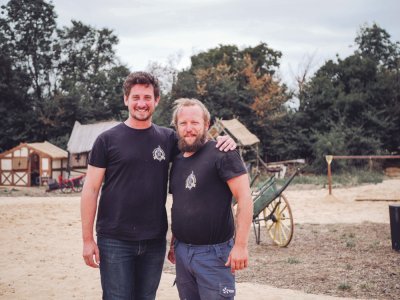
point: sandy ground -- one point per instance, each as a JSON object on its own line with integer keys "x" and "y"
{"x": 40, "y": 249}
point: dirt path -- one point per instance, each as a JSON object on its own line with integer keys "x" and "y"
{"x": 40, "y": 249}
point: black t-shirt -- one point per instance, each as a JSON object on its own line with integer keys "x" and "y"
{"x": 201, "y": 209}
{"x": 132, "y": 201}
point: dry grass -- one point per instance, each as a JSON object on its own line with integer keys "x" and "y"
{"x": 345, "y": 260}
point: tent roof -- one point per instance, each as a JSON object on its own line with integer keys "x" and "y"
{"x": 83, "y": 136}
{"x": 49, "y": 149}
{"x": 240, "y": 132}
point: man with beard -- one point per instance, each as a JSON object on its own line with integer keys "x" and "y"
{"x": 133, "y": 159}
{"x": 202, "y": 183}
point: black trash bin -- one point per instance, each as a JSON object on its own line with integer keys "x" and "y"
{"x": 394, "y": 212}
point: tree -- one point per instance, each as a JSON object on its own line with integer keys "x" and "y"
{"x": 351, "y": 106}
{"x": 236, "y": 83}
{"x": 29, "y": 30}
{"x": 68, "y": 74}
{"x": 15, "y": 112}
{"x": 166, "y": 73}
{"x": 374, "y": 43}
{"x": 90, "y": 71}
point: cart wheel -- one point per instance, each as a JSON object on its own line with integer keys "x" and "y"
{"x": 66, "y": 187}
{"x": 280, "y": 226}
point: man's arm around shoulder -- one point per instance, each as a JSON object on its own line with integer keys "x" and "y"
{"x": 90, "y": 193}
{"x": 240, "y": 188}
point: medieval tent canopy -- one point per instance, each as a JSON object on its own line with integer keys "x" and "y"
{"x": 32, "y": 164}
{"x": 236, "y": 130}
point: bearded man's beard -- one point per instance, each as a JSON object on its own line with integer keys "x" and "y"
{"x": 197, "y": 144}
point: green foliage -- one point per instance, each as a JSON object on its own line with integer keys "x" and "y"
{"x": 15, "y": 105}
{"x": 29, "y": 28}
{"x": 351, "y": 176}
{"x": 293, "y": 260}
{"x": 326, "y": 144}
{"x": 50, "y": 77}
{"x": 235, "y": 83}
{"x": 344, "y": 286}
{"x": 89, "y": 70}
{"x": 374, "y": 43}
{"x": 53, "y": 77}
{"x": 351, "y": 106}
{"x": 347, "y": 176}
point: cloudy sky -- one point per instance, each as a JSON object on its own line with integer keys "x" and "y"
{"x": 158, "y": 30}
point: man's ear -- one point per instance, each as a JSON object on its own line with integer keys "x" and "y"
{"x": 157, "y": 100}
{"x": 207, "y": 126}
{"x": 126, "y": 100}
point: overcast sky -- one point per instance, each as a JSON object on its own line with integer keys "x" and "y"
{"x": 156, "y": 30}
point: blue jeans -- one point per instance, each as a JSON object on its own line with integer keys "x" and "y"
{"x": 201, "y": 272}
{"x": 131, "y": 269}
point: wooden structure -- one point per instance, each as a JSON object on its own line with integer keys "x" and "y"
{"x": 81, "y": 142}
{"x": 248, "y": 145}
{"x": 247, "y": 142}
{"x": 330, "y": 158}
{"x": 236, "y": 130}
{"x": 30, "y": 164}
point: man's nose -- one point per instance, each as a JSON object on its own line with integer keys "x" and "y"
{"x": 141, "y": 103}
{"x": 189, "y": 127}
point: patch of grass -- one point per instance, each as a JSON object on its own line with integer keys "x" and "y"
{"x": 350, "y": 235}
{"x": 349, "y": 267}
{"x": 8, "y": 191}
{"x": 350, "y": 244}
{"x": 351, "y": 177}
{"x": 344, "y": 286}
{"x": 315, "y": 179}
{"x": 365, "y": 286}
{"x": 357, "y": 176}
{"x": 375, "y": 244}
{"x": 293, "y": 260}
{"x": 370, "y": 177}
{"x": 349, "y": 238}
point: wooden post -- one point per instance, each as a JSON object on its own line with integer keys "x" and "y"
{"x": 329, "y": 160}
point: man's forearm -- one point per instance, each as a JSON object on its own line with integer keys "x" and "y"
{"x": 243, "y": 221}
{"x": 88, "y": 213}
{"x": 240, "y": 189}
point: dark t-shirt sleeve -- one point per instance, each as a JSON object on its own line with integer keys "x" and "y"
{"x": 98, "y": 156}
{"x": 230, "y": 165}
{"x": 175, "y": 150}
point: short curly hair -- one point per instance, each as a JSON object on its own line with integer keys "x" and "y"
{"x": 141, "y": 78}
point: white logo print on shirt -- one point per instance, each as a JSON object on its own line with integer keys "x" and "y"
{"x": 191, "y": 181}
{"x": 158, "y": 154}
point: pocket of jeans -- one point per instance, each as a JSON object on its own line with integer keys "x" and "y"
{"x": 224, "y": 251}
{"x": 227, "y": 290}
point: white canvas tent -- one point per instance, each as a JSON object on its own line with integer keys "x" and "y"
{"x": 81, "y": 142}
